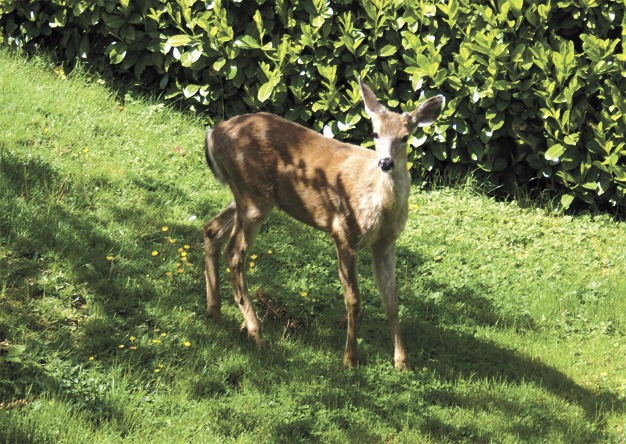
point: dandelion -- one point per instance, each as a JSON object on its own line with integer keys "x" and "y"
{"x": 253, "y": 257}
{"x": 157, "y": 370}
{"x": 270, "y": 251}
{"x": 155, "y": 253}
{"x": 252, "y": 264}
{"x": 164, "y": 228}
{"x": 121, "y": 346}
{"x": 180, "y": 250}
{"x": 59, "y": 71}
{"x": 91, "y": 358}
{"x": 181, "y": 270}
{"x": 304, "y": 294}
{"x": 86, "y": 149}
{"x": 156, "y": 341}
{"x": 132, "y": 339}
{"x": 163, "y": 334}
{"x": 109, "y": 258}
{"x": 168, "y": 274}
{"x": 171, "y": 241}
{"x": 133, "y": 347}
{"x": 187, "y": 247}
{"x": 183, "y": 254}
{"x": 227, "y": 270}
{"x": 183, "y": 259}
{"x": 187, "y": 344}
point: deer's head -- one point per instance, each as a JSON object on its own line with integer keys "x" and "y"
{"x": 391, "y": 130}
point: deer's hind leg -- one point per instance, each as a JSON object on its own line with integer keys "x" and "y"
{"x": 216, "y": 231}
{"x": 248, "y": 221}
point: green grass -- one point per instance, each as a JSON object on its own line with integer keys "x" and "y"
{"x": 515, "y": 319}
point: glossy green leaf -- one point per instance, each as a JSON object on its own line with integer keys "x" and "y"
{"x": 116, "y": 52}
{"x": 178, "y": 40}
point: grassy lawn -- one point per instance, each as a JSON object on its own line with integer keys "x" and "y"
{"x": 514, "y": 318}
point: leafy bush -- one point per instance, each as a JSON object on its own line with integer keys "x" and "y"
{"x": 535, "y": 89}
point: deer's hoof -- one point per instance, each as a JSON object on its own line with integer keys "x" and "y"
{"x": 214, "y": 313}
{"x": 350, "y": 361}
{"x": 403, "y": 365}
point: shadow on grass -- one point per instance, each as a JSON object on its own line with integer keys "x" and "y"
{"x": 436, "y": 333}
{"x": 54, "y": 273}
{"x": 440, "y": 334}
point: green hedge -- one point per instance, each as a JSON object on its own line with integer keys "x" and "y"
{"x": 535, "y": 89}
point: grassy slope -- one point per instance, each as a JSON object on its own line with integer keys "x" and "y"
{"x": 515, "y": 319}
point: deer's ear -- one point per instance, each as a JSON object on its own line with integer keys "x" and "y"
{"x": 372, "y": 105}
{"x": 427, "y": 112}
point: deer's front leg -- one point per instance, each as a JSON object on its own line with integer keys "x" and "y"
{"x": 384, "y": 260}
{"x": 216, "y": 231}
{"x": 347, "y": 259}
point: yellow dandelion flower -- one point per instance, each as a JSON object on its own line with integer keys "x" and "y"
{"x": 187, "y": 247}
{"x": 252, "y": 264}
{"x": 304, "y": 294}
{"x": 187, "y": 344}
{"x": 109, "y": 258}
{"x": 164, "y": 228}
{"x": 163, "y": 334}
{"x": 270, "y": 251}
{"x": 183, "y": 259}
{"x": 133, "y": 347}
{"x": 132, "y": 339}
{"x": 155, "y": 253}
{"x": 180, "y": 250}
{"x": 181, "y": 270}
{"x": 227, "y": 270}
{"x": 121, "y": 346}
{"x": 157, "y": 370}
{"x": 156, "y": 341}
{"x": 183, "y": 254}
{"x": 91, "y": 358}
{"x": 168, "y": 273}
{"x": 86, "y": 149}
{"x": 253, "y": 257}
{"x": 171, "y": 241}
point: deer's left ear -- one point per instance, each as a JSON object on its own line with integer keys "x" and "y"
{"x": 426, "y": 113}
{"x": 372, "y": 106}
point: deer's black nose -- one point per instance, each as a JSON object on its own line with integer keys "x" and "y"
{"x": 385, "y": 164}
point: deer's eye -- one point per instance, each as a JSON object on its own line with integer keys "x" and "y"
{"x": 375, "y": 135}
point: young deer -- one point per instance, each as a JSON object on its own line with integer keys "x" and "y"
{"x": 358, "y": 196}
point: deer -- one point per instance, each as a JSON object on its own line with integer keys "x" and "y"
{"x": 357, "y": 195}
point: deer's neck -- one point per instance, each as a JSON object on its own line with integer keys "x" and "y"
{"x": 393, "y": 188}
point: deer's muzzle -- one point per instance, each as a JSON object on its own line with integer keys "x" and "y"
{"x": 385, "y": 163}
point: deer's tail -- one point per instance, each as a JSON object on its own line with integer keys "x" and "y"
{"x": 208, "y": 148}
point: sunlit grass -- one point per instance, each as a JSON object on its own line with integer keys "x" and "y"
{"x": 515, "y": 319}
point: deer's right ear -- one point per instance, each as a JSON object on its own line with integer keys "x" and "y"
{"x": 372, "y": 106}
